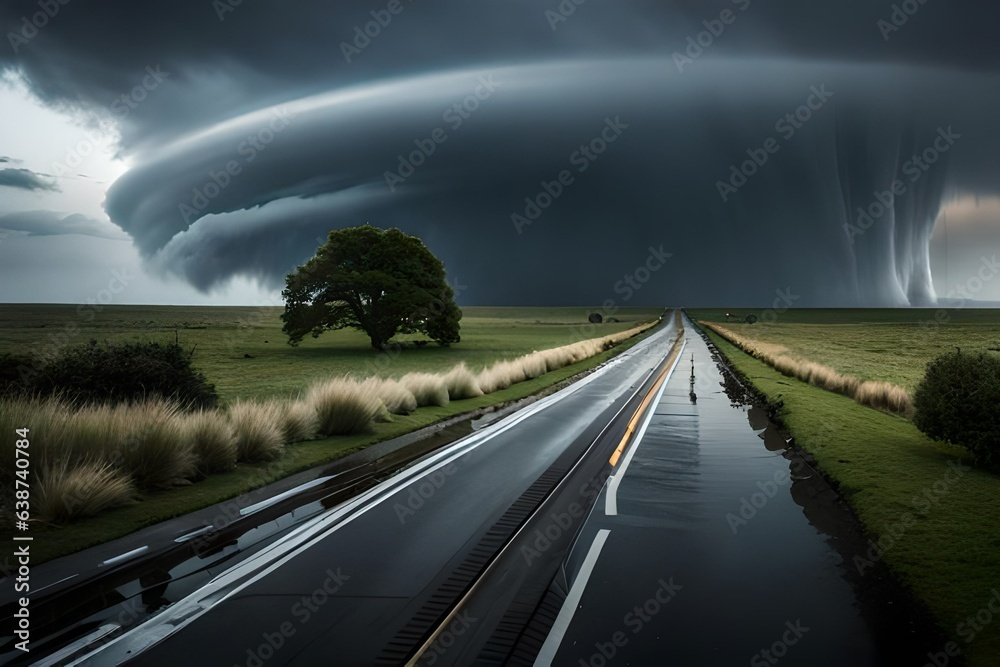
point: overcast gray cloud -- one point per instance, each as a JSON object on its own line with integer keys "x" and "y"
{"x": 51, "y": 223}
{"x": 25, "y": 179}
{"x": 252, "y": 132}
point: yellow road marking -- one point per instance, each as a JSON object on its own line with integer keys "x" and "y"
{"x": 634, "y": 421}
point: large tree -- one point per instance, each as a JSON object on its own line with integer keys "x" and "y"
{"x": 382, "y": 282}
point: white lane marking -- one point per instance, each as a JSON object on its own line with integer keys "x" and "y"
{"x": 565, "y": 617}
{"x": 611, "y": 502}
{"x": 230, "y": 582}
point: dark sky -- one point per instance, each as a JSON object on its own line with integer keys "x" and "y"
{"x": 247, "y": 132}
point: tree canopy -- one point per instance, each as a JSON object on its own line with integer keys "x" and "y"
{"x": 382, "y": 282}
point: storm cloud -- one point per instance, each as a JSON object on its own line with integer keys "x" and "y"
{"x": 25, "y": 179}
{"x": 52, "y": 223}
{"x": 542, "y": 153}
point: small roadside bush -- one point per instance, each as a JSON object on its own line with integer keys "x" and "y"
{"x": 461, "y": 383}
{"x": 155, "y": 452}
{"x": 212, "y": 439}
{"x": 427, "y": 388}
{"x": 299, "y": 421}
{"x": 16, "y": 374}
{"x": 63, "y": 492}
{"x": 344, "y": 406}
{"x": 116, "y": 373}
{"x": 957, "y": 401}
{"x": 258, "y": 430}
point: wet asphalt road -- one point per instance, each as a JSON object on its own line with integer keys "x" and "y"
{"x": 338, "y": 590}
{"x": 701, "y": 556}
{"x": 709, "y": 545}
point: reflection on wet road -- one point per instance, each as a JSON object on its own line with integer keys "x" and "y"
{"x": 705, "y": 554}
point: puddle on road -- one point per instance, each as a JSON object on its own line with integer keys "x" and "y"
{"x": 718, "y": 499}
{"x": 902, "y": 630}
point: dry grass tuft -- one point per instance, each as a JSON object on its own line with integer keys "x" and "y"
{"x": 879, "y": 395}
{"x": 213, "y": 440}
{"x": 396, "y": 398}
{"x": 884, "y": 396}
{"x": 299, "y": 420}
{"x": 461, "y": 383}
{"x": 257, "y": 427}
{"x": 154, "y": 448}
{"x": 344, "y": 406}
{"x": 427, "y": 388}
{"x": 63, "y": 492}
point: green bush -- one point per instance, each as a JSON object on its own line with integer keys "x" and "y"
{"x": 958, "y": 401}
{"x": 114, "y": 373}
{"x": 16, "y": 375}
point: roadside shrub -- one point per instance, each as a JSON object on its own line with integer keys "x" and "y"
{"x": 461, "y": 383}
{"x": 534, "y": 365}
{"x": 957, "y": 401}
{"x": 123, "y": 373}
{"x": 397, "y": 399}
{"x": 212, "y": 439}
{"x": 501, "y": 375}
{"x": 62, "y": 492}
{"x": 344, "y": 406}
{"x": 156, "y": 451}
{"x": 299, "y": 420}
{"x": 42, "y": 418}
{"x": 79, "y": 434}
{"x": 16, "y": 375}
{"x": 257, "y": 428}
{"x": 427, "y": 388}
{"x": 884, "y": 396}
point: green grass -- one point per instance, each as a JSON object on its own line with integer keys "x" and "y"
{"x": 891, "y": 345}
{"x": 885, "y": 466}
{"x": 53, "y": 541}
{"x": 221, "y": 336}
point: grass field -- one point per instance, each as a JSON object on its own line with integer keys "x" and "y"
{"x": 221, "y": 337}
{"x": 934, "y": 517}
{"x": 891, "y": 345}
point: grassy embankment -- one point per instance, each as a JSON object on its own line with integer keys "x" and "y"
{"x": 935, "y": 519}
{"x": 221, "y": 337}
{"x": 490, "y": 337}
